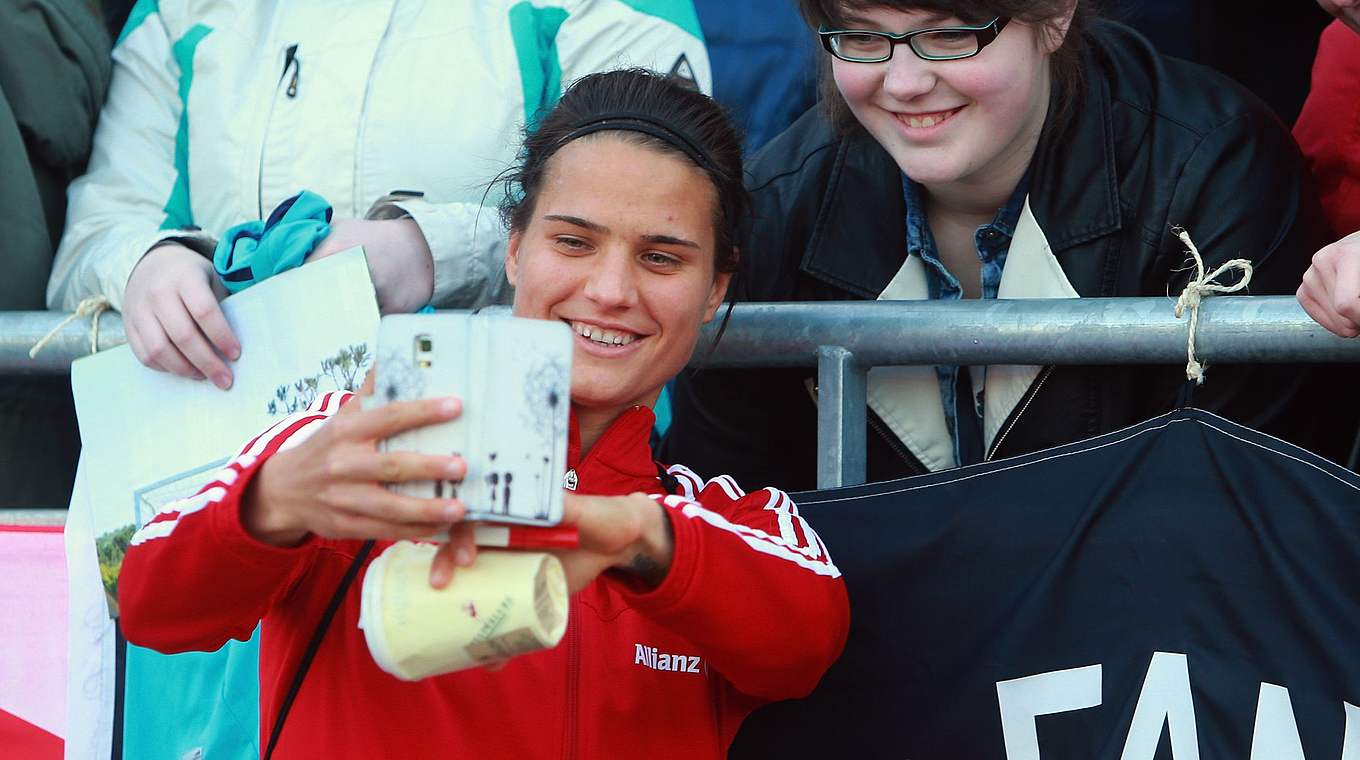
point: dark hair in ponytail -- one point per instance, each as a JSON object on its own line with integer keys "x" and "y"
{"x": 652, "y": 110}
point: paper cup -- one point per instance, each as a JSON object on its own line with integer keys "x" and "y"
{"x": 507, "y": 603}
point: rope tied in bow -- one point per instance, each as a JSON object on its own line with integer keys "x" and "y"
{"x": 91, "y": 307}
{"x": 1200, "y": 287}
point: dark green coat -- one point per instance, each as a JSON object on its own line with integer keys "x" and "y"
{"x": 54, "y": 72}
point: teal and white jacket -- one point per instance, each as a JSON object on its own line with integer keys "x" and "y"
{"x": 219, "y": 109}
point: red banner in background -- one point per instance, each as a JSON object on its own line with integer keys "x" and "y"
{"x": 32, "y": 641}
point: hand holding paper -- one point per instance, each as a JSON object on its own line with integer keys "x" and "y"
{"x": 172, "y": 318}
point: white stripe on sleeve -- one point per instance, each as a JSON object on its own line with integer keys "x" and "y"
{"x": 688, "y": 480}
{"x": 163, "y": 528}
{"x": 229, "y": 474}
{"x": 776, "y": 503}
{"x": 762, "y": 541}
{"x": 758, "y": 539}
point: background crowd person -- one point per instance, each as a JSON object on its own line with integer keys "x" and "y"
{"x": 54, "y": 71}
{"x": 398, "y": 113}
{"x": 622, "y": 222}
{"x": 764, "y": 66}
{"x": 1328, "y": 130}
{"x": 1268, "y": 53}
{"x": 1040, "y": 154}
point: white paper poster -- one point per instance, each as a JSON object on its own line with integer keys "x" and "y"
{"x": 149, "y": 438}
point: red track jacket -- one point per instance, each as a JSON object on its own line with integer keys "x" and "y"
{"x": 752, "y": 610}
{"x": 1328, "y": 128}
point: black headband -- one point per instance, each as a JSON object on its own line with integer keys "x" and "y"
{"x": 631, "y": 121}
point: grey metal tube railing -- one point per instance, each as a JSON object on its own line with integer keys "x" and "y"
{"x": 845, "y": 339}
{"x": 842, "y": 385}
{"x": 1246, "y": 329}
{"x": 1239, "y": 329}
{"x": 21, "y": 330}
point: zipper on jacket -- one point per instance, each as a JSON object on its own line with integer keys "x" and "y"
{"x": 569, "y": 749}
{"x": 290, "y": 62}
{"x": 894, "y": 444}
{"x": 572, "y": 731}
{"x": 1019, "y": 410}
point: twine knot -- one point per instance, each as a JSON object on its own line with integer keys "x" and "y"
{"x": 1200, "y": 287}
{"x": 91, "y": 307}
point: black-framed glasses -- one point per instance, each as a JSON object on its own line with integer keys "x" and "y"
{"x": 945, "y": 43}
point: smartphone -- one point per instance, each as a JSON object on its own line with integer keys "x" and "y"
{"x": 514, "y": 378}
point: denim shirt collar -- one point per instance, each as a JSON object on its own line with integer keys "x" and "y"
{"x": 991, "y": 240}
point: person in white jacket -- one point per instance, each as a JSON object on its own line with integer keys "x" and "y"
{"x": 398, "y": 112}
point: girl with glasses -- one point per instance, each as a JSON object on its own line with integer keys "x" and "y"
{"x": 692, "y": 601}
{"x": 1002, "y": 149}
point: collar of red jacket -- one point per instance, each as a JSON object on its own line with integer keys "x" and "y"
{"x": 621, "y": 460}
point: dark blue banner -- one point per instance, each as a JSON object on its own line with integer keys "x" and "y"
{"x": 1187, "y": 588}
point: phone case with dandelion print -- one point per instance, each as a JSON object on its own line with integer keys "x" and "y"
{"x": 514, "y": 378}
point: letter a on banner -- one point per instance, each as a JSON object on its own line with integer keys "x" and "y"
{"x": 1021, "y": 700}
{"x": 1350, "y": 746}
{"x": 1165, "y": 699}
{"x": 1276, "y": 736}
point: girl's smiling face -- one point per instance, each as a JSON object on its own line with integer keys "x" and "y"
{"x": 951, "y": 122}
{"x": 620, "y": 247}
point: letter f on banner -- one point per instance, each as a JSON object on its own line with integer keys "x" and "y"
{"x": 1023, "y": 699}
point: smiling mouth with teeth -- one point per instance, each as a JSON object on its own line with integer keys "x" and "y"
{"x": 930, "y": 120}
{"x": 602, "y": 336}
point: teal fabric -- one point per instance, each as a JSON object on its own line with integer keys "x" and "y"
{"x": 136, "y": 16}
{"x": 678, "y": 12}
{"x": 256, "y": 250}
{"x": 205, "y": 701}
{"x": 662, "y": 410}
{"x": 534, "y": 31}
{"x": 178, "y": 212}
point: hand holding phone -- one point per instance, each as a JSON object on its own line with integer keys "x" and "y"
{"x": 328, "y": 485}
{"x": 514, "y": 379}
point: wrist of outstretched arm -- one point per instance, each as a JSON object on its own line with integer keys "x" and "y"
{"x": 266, "y": 517}
{"x": 674, "y": 589}
{"x": 647, "y": 561}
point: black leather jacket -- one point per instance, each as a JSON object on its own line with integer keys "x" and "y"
{"x": 1155, "y": 142}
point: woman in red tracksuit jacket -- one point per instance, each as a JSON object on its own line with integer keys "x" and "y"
{"x": 693, "y": 601}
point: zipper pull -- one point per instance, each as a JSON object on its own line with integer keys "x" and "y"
{"x": 293, "y": 83}
{"x": 288, "y": 56}
{"x": 290, "y": 60}
{"x": 569, "y": 480}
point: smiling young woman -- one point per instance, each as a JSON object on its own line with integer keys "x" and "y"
{"x": 1004, "y": 149}
{"x": 622, "y": 216}
{"x": 620, "y": 247}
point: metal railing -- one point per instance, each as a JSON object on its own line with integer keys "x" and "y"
{"x": 33, "y": 517}
{"x": 843, "y": 340}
